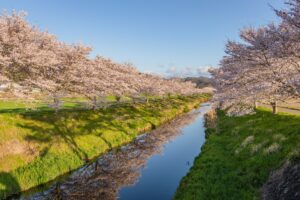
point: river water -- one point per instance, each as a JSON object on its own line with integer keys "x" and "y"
{"x": 151, "y": 167}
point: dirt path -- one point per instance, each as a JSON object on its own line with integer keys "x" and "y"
{"x": 283, "y": 109}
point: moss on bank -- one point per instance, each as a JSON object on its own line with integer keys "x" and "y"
{"x": 239, "y": 154}
{"x": 38, "y": 146}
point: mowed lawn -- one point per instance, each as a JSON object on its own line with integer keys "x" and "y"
{"x": 239, "y": 154}
{"x": 37, "y": 146}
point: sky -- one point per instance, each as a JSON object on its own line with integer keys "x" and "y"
{"x": 170, "y": 37}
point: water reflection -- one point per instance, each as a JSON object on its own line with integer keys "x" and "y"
{"x": 118, "y": 168}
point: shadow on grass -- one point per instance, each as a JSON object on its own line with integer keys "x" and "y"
{"x": 111, "y": 126}
{"x": 71, "y": 123}
{"x": 8, "y": 185}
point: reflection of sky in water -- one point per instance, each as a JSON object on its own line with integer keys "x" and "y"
{"x": 163, "y": 172}
{"x": 149, "y": 168}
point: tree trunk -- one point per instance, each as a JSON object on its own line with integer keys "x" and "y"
{"x": 255, "y": 104}
{"x": 94, "y": 103}
{"x": 135, "y": 100}
{"x": 220, "y": 104}
{"x": 56, "y": 104}
{"x": 274, "y": 107}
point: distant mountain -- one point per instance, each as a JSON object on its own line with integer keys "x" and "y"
{"x": 200, "y": 81}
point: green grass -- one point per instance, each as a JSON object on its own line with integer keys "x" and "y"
{"x": 239, "y": 154}
{"x": 21, "y": 105}
{"x": 37, "y": 146}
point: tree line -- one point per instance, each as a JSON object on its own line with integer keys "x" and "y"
{"x": 263, "y": 67}
{"x": 36, "y": 60}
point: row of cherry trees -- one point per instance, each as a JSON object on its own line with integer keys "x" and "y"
{"x": 36, "y": 60}
{"x": 264, "y": 66}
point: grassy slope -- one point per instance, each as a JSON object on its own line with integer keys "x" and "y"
{"x": 42, "y": 145}
{"x": 233, "y": 167}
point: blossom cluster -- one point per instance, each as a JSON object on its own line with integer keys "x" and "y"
{"x": 264, "y": 66}
{"x": 36, "y": 60}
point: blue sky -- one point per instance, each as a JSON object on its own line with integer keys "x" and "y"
{"x": 162, "y": 36}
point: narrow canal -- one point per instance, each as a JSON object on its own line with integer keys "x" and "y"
{"x": 151, "y": 167}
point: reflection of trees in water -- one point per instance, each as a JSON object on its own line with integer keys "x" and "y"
{"x": 120, "y": 167}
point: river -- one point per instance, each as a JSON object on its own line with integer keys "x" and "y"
{"x": 150, "y": 167}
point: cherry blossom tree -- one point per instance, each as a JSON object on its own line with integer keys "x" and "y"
{"x": 24, "y": 50}
{"x": 263, "y": 67}
{"x": 36, "y": 60}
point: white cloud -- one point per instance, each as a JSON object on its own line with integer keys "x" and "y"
{"x": 187, "y": 71}
{"x": 171, "y": 70}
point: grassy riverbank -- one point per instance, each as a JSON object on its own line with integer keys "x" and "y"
{"x": 239, "y": 154}
{"x": 38, "y": 146}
